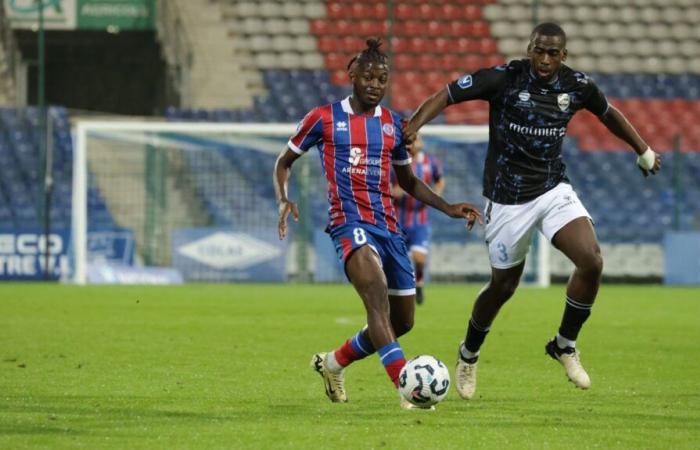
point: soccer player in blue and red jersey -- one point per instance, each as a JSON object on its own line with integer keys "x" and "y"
{"x": 413, "y": 214}
{"x": 358, "y": 140}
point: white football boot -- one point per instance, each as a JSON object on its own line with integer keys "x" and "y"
{"x": 569, "y": 358}
{"x": 465, "y": 377}
{"x": 334, "y": 382}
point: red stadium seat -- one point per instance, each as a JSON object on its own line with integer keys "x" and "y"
{"x": 336, "y": 61}
{"x": 320, "y": 27}
{"x": 336, "y": 10}
{"x": 404, "y": 62}
{"x": 343, "y": 28}
{"x": 487, "y": 46}
{"x": 420, "y": 45}
{"x": 478, "y": 28}
{"x": 340, "y": 77}
{"x": 404, "y": 11}
{"x": 351, "y": 44}
{"x": 371, "y": 28}
{"x": 327, "y": 43}
{"x": 471, "y": 12}
{"x": 442, "y": 45}
{"x": 400, "y": 45}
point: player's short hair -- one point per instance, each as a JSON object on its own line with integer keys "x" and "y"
{"x": 370, "y": 54}
{"x": 548, "y": 29}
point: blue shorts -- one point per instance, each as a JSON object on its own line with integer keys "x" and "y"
{"x": 418, "y": 238}
{"x": 390, "y": 247}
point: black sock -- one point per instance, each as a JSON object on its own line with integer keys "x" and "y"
{"x": 475, "y": 336}
{"x": 575, "y": 314}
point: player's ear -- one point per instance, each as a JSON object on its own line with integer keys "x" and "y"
{"x": 564, "y": 54}
{"x": 529, "y": 49}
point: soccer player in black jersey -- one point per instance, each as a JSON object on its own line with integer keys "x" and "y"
{"x": 531, "y": 102}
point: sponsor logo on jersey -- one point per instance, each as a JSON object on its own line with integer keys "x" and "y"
{"x": 563, "y": 101}
{"x": 388, "y": 129}
{"x": 341, "y": 125}
{"x": 536, "y": 131}
{"x": 524, "y": 100}
{"x": 465, "y": 82}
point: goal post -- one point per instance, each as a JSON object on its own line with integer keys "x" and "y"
{"x": 159, "y": 185}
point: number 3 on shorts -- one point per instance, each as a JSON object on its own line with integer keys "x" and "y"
{"x": 360, "y": 236}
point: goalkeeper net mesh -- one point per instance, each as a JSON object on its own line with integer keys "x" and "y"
{"x": 198, "y": 197}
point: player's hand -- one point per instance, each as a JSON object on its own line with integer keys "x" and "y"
{"x": 649, "y": 162}
{"x": 465, "y": 211}
{"x": 286, "y": 207}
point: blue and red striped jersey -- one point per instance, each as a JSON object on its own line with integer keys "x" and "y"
{"x": 356, "y": 152}
{"x": 410, "y": 211}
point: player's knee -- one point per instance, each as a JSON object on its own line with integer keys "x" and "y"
{"x": 505, "y": 288}
{"x": 592, "y": 265}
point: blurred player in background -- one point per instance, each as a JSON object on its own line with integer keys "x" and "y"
{"x": 413, "y": 214}
{"x": 531, "y": 103}
{"x": 358, "y": 140}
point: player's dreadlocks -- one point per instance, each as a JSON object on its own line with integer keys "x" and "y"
{"x": 548, "y": 29}
{"x": 370, "y": 54}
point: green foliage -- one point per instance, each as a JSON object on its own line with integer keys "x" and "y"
{"x": 203, "y": 366}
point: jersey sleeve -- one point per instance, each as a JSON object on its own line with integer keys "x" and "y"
{"x": 595, "y": 100}
{"x": 309, "y": 132}
{"x": 436, "y": 169}
{"x": 399, "y": 154}
{"x": 480, "y": 85}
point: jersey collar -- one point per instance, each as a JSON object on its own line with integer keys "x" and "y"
{"x": 345, "y": 104}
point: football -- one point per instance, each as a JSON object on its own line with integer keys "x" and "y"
{"x": 424, "y": 381}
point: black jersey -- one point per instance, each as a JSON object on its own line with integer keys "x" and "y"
{"x": 527, "y": 124}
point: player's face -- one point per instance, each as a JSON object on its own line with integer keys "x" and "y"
{"x": 369, "y": 82}
{"x": 546, "y": 55}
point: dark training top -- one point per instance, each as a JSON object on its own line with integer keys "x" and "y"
{"x": 527, "y": 124}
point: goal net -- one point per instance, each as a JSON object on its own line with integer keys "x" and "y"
{"x": 198, "y": 198}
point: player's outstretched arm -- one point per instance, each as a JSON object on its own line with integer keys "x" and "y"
{"x": 415, "y": 187}
{"x": 647, "y": 160}
{"x": 280, "y": 178}
{"x": 427, "y": 111}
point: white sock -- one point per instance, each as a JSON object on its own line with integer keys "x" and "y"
{"x": 563, "y": 342}
{"x": 332, "y": 364}
{"x": 466, "y": 354}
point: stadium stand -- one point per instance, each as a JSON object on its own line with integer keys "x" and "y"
{"x": 647, "y": 59}
{"x": 20, "y": 186}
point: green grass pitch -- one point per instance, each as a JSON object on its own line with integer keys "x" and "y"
{"x": 205, "y": 367}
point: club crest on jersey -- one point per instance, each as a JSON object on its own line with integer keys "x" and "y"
{"x": 388, "y": 129}
{"x": 563, "y": 101}
{"x": 341, "y": 125}
{"x": 465, "y": 82}
{"x": 524, "y": 96}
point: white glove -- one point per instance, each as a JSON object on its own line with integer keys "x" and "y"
{"x": 646, "y": 160}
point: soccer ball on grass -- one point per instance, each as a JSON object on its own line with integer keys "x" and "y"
{"x": 424, "y": 381}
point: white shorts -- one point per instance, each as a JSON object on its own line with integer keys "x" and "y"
{"x": 509, "y": 228}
